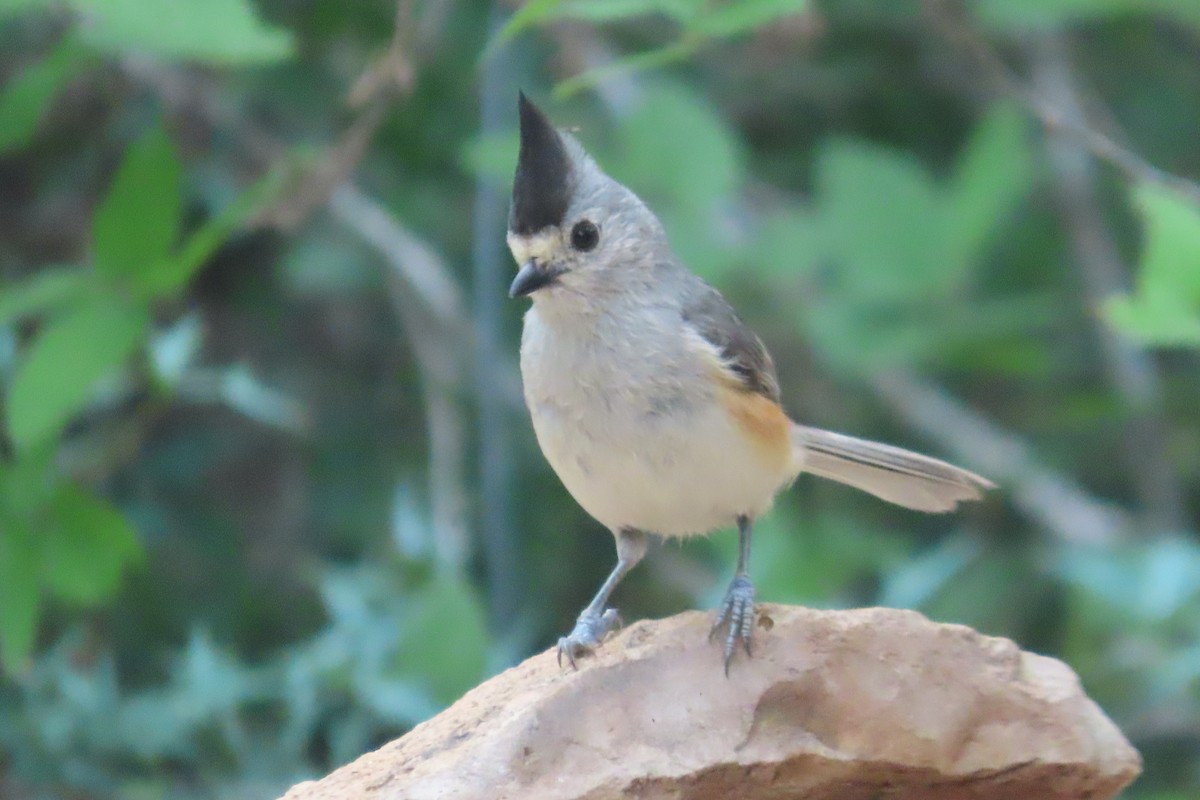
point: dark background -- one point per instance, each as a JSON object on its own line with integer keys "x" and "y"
{"x": 268, "y": 495}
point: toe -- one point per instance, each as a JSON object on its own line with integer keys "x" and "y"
{"x": 747, "y": 624}
{"x": 609, "y": 621}
{"x": 590, "y": 629}
{"x": 722, "y": 613}
{"x": 736, "y": 612}
{"x": 562, "y": 648}
{"x": 570, "y": 647}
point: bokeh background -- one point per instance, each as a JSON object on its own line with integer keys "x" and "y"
{"x": 269, "y": 497}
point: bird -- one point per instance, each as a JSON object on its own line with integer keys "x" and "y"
{"x": 656, "y": 406}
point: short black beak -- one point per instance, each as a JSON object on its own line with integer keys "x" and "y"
{"x": 530, "y": 278}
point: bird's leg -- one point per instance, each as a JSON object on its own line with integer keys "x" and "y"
{"x": 596, "y": 621}
{"x": 737, "y": 609}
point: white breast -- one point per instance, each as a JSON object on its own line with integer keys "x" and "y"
{"x": 631, "y": 423}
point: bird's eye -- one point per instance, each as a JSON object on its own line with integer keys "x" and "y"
{"x": 585, "y": 235}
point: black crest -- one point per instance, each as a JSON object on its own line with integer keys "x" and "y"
{"x": 542, "y": 186}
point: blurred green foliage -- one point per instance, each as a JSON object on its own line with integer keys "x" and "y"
{"x": 61, "y": 538}
{"x": 240, "y": 533}
{"x": 1166, "y": 307}
{"x": 699, "y": 23}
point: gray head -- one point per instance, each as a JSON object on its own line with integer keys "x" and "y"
{"x": 572, "y": 228}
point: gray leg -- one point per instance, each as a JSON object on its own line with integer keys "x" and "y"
{"x": 737, "y": 610}
{"x": 596, "y": 621}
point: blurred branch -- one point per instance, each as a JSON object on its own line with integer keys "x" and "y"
{"x": 394, "y": 70}
{"x": 490, "y": 258}
{"x": 581, "y": 51}
{"x": 424, "y": 275}
{"x": 237, "y": 387}
{"x": 415, "y": 266}
{"x": 428, "y": 300}
{"x": 952, "y": 20}
{"x": 415, "y": 262}
{"x": 1131, "y": 370}
{"x": 1180, "y": 722}
{"x": 1049, "y": 497}
{"x": 312, "y": 189}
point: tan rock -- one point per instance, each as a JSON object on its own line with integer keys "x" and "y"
{"x": 850, "y": 705}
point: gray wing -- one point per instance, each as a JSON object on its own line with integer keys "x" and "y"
{"x": 709, "y": 313}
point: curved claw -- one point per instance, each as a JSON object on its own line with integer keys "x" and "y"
{"x": 736, "y": 614}
{"x": 590, "y": 629}
{"x": 565, "y": 645}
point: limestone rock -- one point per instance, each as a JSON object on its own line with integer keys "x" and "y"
{"x": 851, "y": 705}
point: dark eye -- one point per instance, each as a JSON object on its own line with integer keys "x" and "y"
{"x": 584, "y": 236}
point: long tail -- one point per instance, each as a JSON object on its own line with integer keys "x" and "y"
{"x": 899, "y": 476}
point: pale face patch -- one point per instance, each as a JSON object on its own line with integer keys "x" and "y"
{"x": 544, "y": 246}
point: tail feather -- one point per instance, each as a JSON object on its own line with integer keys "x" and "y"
{"x": 891, "y": 473}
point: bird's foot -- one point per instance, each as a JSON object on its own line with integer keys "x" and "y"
{"x": 590, "y": 630}
{"x": 736, "y": 615}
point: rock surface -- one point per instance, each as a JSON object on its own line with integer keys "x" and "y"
{"x": 852, "y": 705}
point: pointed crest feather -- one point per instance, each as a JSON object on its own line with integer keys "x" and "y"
{"x": 542, "y": 186}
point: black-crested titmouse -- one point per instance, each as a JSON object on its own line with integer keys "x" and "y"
{"x": 657, "y": 407}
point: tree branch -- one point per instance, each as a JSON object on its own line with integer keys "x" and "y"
{"x": 952, "y": 21}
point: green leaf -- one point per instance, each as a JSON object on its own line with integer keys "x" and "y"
{"x": 26, "y": 96}
{"x": 65, "y": 362}
{"x": 994, "y": 173}
{"x": 226, "y": 32}
{"x": 137, "y": 224}
{"x": 1165, "y": 308}
{"x": 637, "y": 62}
{"x": 864, "y": 337}
{"x": 888, "y": 230}
{"x": 527, "y": 16}
{"x": 698, "y": 18}
{"x": 172, "y": 274}
{"x": 742, "y": 16}
{"x": 537, "y": 12}
{"x": 685, "y": 177}
{"x": 691, "y": 170}
{"x": 444, "y": 638}
{"x": 85, "y": 546}
{"x": 789, "y": 244}
{"x": 492, "y": 156}
{"x": 903, "y": 244}
{"x": 1156, "y": 319}
{"x": 19, "y": 596}
{"x": 884, "y": 221}
{"x": 684, "y": 11}
{"x": 27, "y": 483}
{"x": 46, "y": 290}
